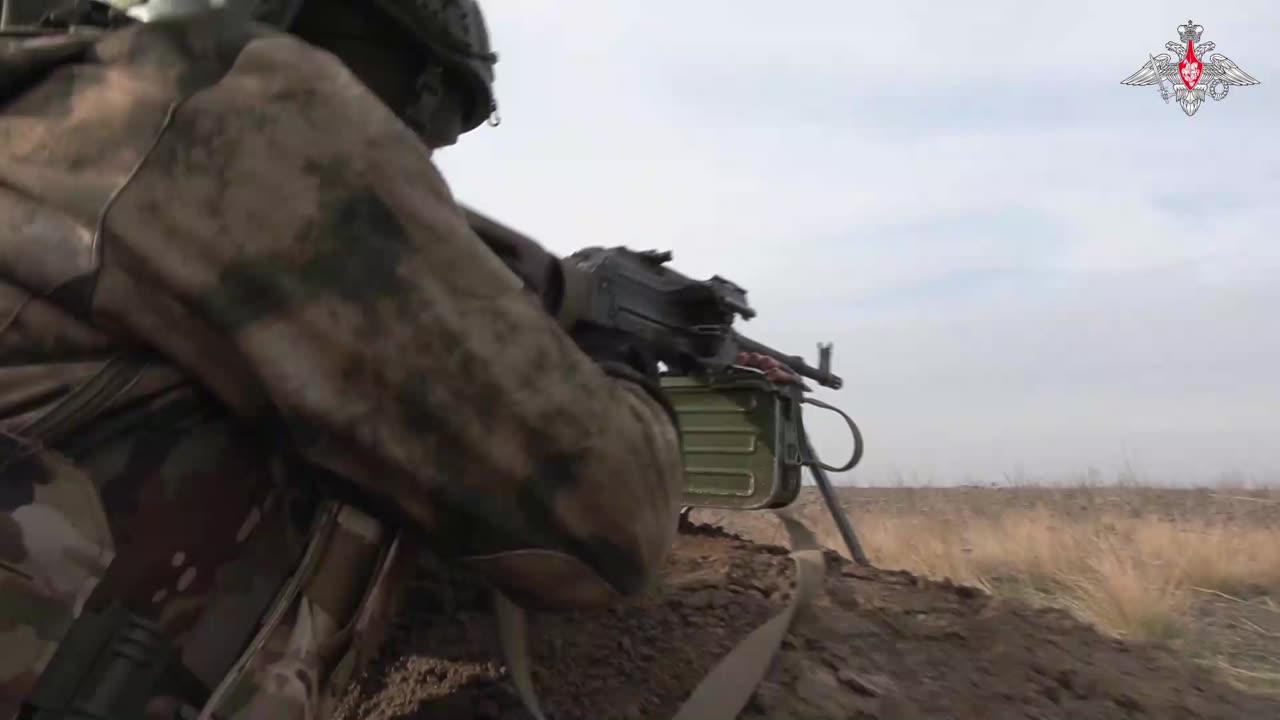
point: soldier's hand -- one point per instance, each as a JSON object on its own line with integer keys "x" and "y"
{"x": 774, "y": 370}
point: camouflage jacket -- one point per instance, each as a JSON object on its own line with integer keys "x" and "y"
{"x": 249, "y": 348}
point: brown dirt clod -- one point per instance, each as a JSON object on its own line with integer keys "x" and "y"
{"x": 876, "y": 645}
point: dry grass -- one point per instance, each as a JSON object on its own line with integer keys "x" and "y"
{"x": 1196, "y": 568}
{"x": 1134, "y": 576}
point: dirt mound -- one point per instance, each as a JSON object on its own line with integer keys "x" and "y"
{"x": 877, "y": 644}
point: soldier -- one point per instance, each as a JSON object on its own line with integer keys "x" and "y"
{"x": 250, "y": 351}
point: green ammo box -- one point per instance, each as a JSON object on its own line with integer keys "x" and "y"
{"x": 741, "y": 443}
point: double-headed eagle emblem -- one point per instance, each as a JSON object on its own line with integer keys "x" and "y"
{"x": 1187, "y": 77}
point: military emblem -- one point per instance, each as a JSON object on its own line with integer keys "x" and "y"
{"x": 1190, "y": 79}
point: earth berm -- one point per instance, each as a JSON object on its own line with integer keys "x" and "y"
{"x": 876, "y": 645}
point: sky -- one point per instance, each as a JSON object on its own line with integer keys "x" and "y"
{"x": 1028, "y": 270}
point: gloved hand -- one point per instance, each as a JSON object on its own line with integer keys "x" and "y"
{"x": 620, "y": 357}
{"x": 611, "y": 348}
{"x": 538, "y": 269}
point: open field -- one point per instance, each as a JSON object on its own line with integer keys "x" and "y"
{"x": 1196, "y": 569}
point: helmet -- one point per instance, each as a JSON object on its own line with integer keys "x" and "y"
{"x": 274, "y": 12}
{"x": 453, "y": 32}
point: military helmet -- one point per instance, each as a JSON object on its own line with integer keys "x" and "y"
{"x": 453, "y": 31}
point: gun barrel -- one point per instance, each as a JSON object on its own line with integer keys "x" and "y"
{"x": 825, "y": 378}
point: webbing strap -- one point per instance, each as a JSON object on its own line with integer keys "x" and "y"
{"x": 85, "y": 400}
{"x": 513, "y": 633}
{"x": 728, "y": 687}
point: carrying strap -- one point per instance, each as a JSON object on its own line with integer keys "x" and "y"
{"x": 85, "y": 401}
{"x": 728, "y": 687}
{"x": 513, "y": 633}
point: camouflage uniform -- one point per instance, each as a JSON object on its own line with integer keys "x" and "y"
{"x": 214, "y": 238}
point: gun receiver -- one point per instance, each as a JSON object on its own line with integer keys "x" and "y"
{"x": 687, "y": 323}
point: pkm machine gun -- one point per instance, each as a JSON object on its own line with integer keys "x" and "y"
{"x": 744, "y": 437}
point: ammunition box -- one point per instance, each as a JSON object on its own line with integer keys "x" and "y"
{"x": 741, "y": 440}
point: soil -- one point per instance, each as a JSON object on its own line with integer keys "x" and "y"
{"x": 877, "y": 644}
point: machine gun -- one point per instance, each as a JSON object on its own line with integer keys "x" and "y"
{"x": 744, "y": 438}
{"x": 686, "y": 323}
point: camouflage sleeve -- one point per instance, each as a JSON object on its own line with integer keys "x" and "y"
{"x": 291, "y": 244}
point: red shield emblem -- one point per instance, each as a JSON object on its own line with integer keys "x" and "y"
{"x": 1163, "y": 71}
{"x": 1190, "y": 67}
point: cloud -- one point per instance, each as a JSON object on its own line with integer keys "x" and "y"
{"x": 1021, "y": 261}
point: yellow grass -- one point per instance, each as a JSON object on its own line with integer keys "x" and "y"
{"x": 1132, "y": 575}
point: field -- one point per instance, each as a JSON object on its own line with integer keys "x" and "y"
{"x": 1196, "y": 569}
{"x": 1090, "y": 602}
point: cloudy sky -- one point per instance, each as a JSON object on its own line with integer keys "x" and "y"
{"x": 1025, "y": 266}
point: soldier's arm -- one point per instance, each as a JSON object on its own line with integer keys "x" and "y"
{"x": 289, "y": 242}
